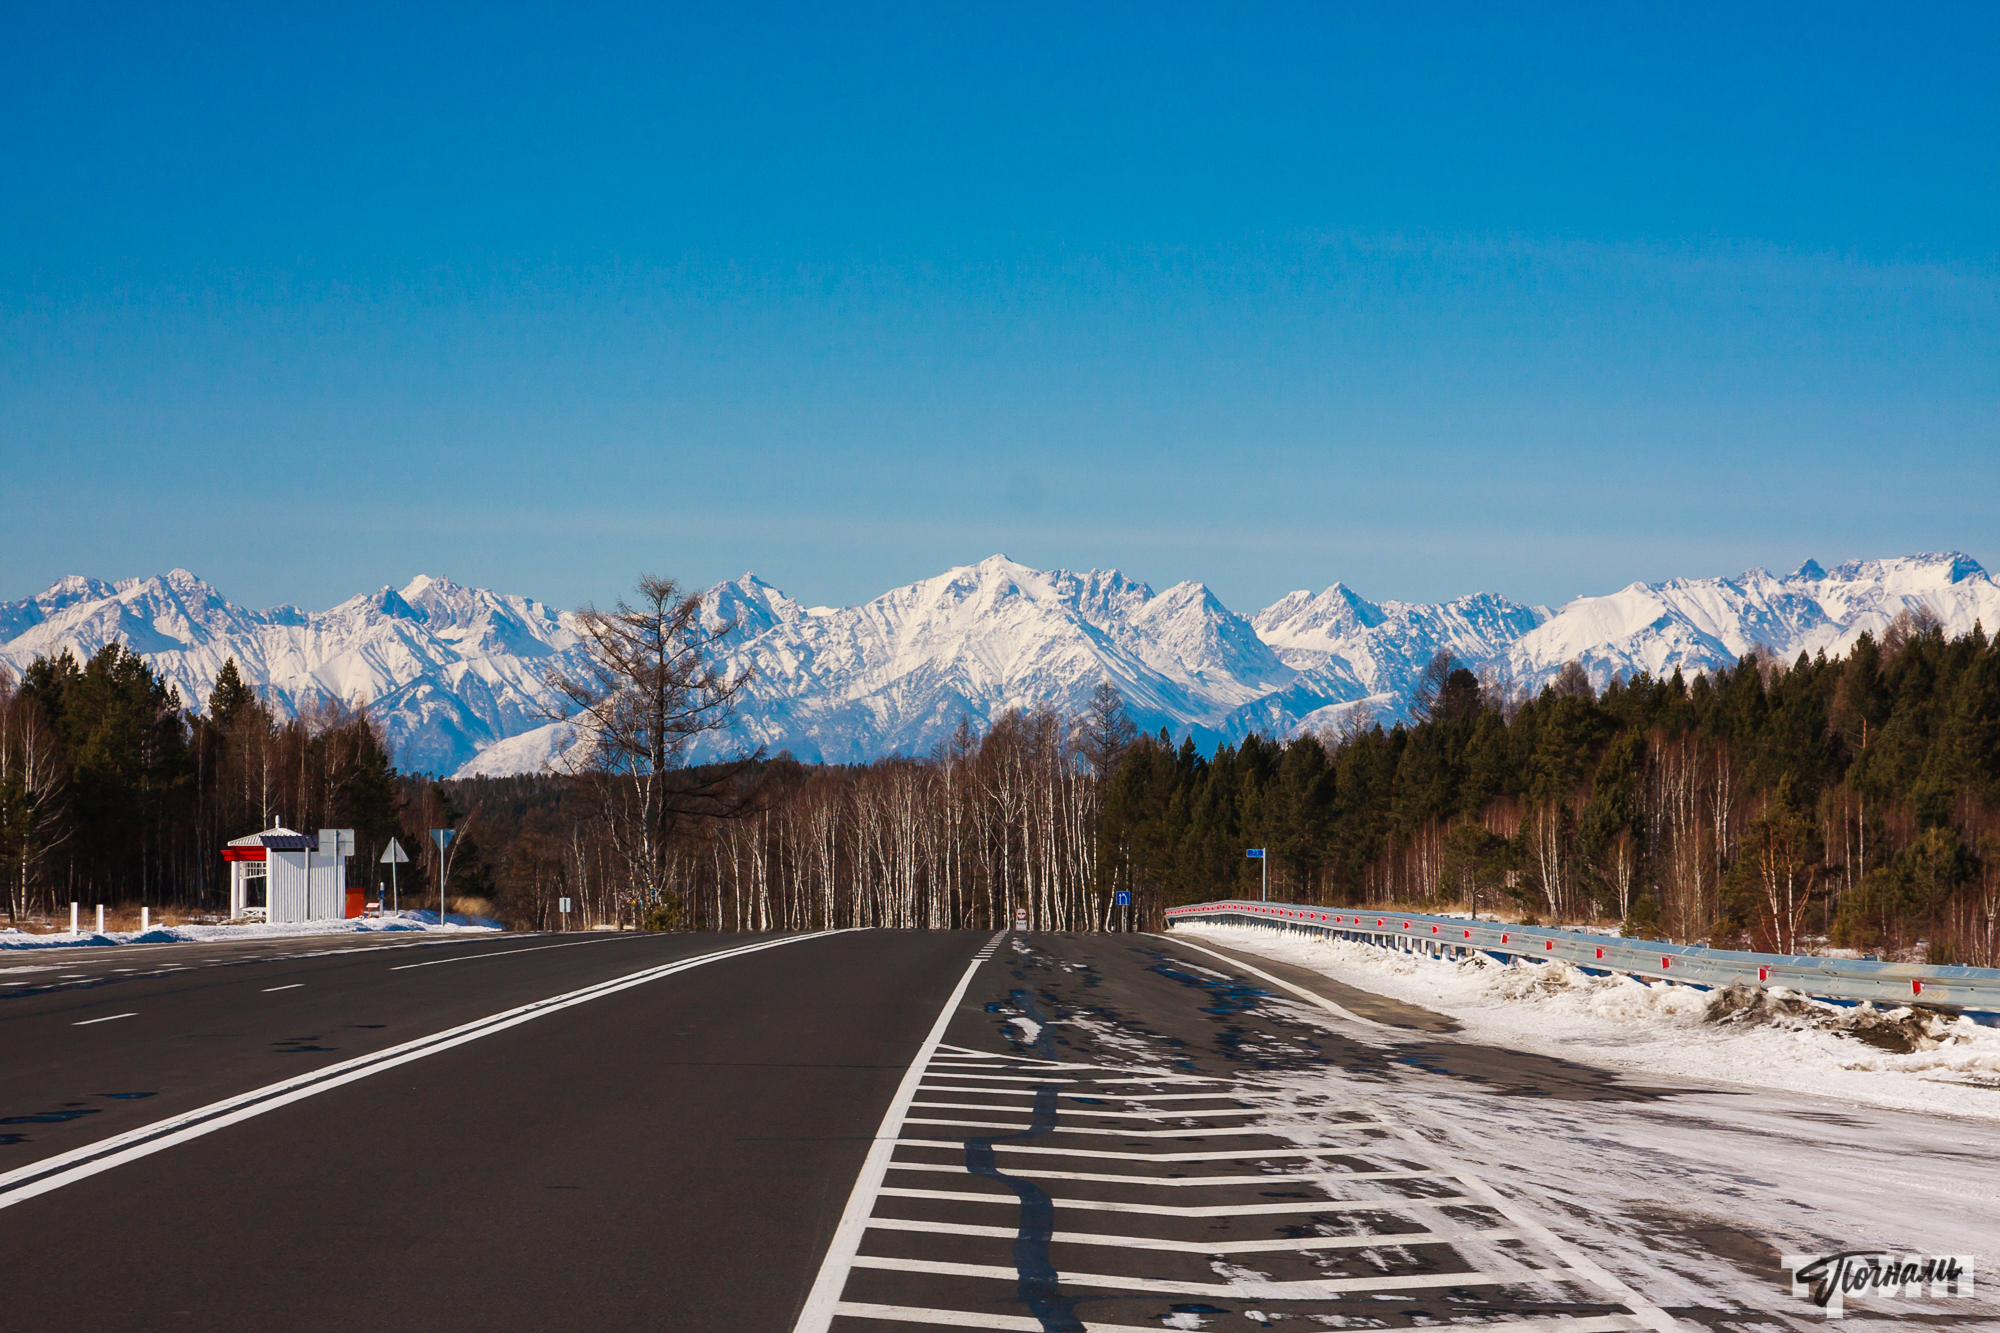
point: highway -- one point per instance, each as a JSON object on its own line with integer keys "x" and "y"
{"x": 868, "y": 1131}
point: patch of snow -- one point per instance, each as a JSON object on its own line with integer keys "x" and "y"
{"x": 389, "y": 922}
{"x": 1663, "y": 1030}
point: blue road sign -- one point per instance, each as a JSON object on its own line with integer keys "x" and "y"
{"x": 1122, "y": 898}
{"x": 1255, "y": 853}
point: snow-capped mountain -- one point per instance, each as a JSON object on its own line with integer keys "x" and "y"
{"x": 450, "y": 670}
{"x": 456, "y": 673}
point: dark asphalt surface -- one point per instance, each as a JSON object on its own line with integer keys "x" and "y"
{"x": 671, "y": 1156}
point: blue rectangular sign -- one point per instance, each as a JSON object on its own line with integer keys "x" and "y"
{"x": 1255, "y": 853}
{"x": 1122, "y": 898}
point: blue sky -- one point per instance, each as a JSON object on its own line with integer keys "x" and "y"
{"x": 1535, "y": 300}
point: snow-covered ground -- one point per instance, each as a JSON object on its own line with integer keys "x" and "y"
{"x": 1732, "y": 1144}
{"x": 1661, "y": 1030}
{"x": 395, "y": 921}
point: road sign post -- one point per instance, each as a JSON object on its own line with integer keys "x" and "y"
{"x": 442, "y": 837}
{"x": 564, "y": 908}
{"x": 1264, "y": 863}
{"x": 1123, "y": 898}
{"x": 393, "y": 856}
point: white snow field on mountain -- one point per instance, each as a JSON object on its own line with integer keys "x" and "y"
{"x": 456, "y": 673}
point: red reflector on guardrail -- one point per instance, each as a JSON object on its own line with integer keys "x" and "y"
{"x": 1763, "y": 974}
{"x": 1434, "y": 930}
{"x": 1600, "y": 951}
{"x": 1503, "y": 937}
{"x": 1548, "y": 944}
{"x": 1916, "y": 986}
{"x": 1406, "y": 925}
{"x": 1666, "y": 963}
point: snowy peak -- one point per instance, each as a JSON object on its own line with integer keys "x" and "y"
{"x": 457, "y": 674}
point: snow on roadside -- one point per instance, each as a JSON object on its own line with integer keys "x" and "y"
{"x": 11, "y": 938}
{"x": 1662, "y": 1030}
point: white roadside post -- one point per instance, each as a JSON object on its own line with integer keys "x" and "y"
{"x": 394, "y": 856}
{"x": 100, "y": 918}
{"x": 72, "y": 920}
{"x": 1264, "y": 863}
{"x": 145, "y": 919}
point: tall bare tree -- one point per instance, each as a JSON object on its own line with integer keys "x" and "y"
{"x": 654, "y": 685}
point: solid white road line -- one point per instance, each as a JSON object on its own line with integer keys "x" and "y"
{"x": 53, "y": 1173}
{"x": 1002, "y": 1323}
{"x": 1238, "y": 1132}
{"x": 106, "y": 1019}
{"x": 1264, "y": 1290}
{"x": 272, "y": 990}
{"x": 1223, "y": 1210}
{"x": 1387, "y": 1241}
{"x": 1299, "y": 991}
{"x": 1261, "y": 1154}
{"x": 823, "y": 1301}
{"x": 1127, "y": 1179}
{"x": 1088, "y": 1096}
{"x": 502, "y": 953}
{"x": 1158, "y": 1119}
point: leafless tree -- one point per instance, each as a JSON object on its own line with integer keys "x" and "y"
{"x": 654, "y": 684}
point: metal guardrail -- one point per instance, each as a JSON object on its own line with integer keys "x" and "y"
{"x": 1973, "y": 989}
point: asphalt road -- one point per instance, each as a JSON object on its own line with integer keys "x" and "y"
{"x": 1095, "y": 1133}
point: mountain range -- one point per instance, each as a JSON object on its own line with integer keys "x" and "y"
{"x": 456, "y": 673}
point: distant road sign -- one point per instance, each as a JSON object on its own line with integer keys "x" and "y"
{"x": 1020, "y": 918}
{"x": 395, "y": 855}
{"x": 565, "y": 905}
{"x": 1255, "y": 853}
{"x": 1122, "y": 898}
{"x": 443, "y": 836}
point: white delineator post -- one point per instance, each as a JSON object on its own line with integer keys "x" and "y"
{"x": 100, "y": 918}
{"x": 72, "y": 920}
{"x": 145, "y": 919}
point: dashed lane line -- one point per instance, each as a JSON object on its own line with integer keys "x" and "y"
{"x": 53, "y": 1173}
{"x": 106, "y": 1019}
{"x": 272, "y": 990}
{"x": 503, "y": 953}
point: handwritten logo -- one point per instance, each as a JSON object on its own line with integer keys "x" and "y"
{"x": 1825, "y": 1279}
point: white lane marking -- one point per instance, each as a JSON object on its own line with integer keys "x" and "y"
{"x": 1008, "y": 1323}
{"x": 1265, "y": 1290}
{"x": 1119, "y": 1096}
{"x": 1197, "y": 1132}
{"x": 1297, "y": 1177}
{"x": 503, "y": 953}
{"x": 1262, "y": 1154}
{"x": 824, "y": 1298}
{"x": 1299, "y": 991}
{"x": 1156, "y": 1118}
{"x": 1220, "y": 1210}
{"x": 1386, "y": 1240}
{"x": 1003, "y": 1323}
{"x": 269, "y": 990}
{"x": 106, "y": 1019}
{"x": 37, "y": 1178}
{"x": 1480, "y": 1192}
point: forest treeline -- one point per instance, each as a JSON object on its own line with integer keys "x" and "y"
{"x": 1773, "y": 804}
